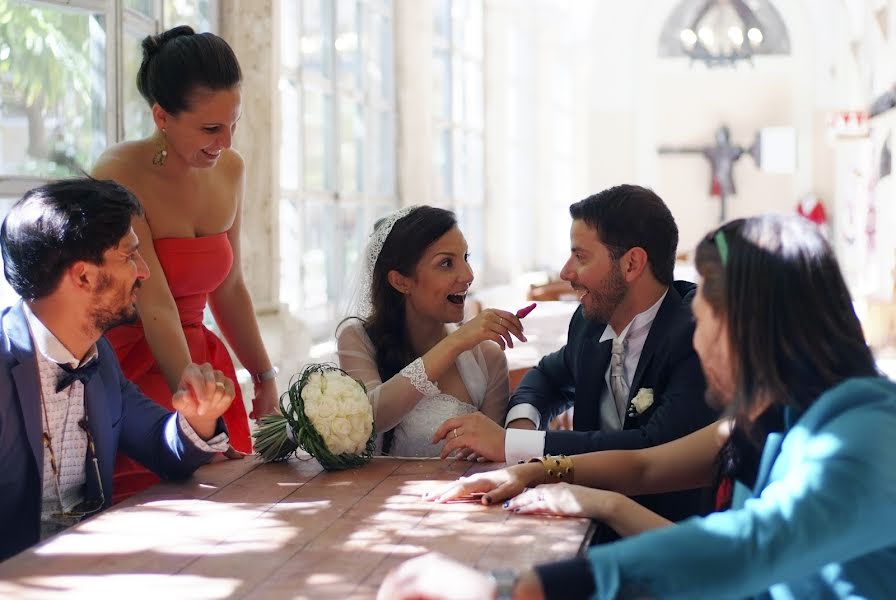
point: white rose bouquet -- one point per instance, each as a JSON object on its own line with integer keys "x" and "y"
{"x": 641, "y": 402}
{"x": 326, "y": 413}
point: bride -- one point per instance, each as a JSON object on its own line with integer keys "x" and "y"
{"x": 398, "y": 337}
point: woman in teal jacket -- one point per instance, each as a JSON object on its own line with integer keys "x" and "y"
{"x": 783, "y": 351}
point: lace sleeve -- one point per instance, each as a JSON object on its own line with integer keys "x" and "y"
{"x": 416, "y": 374}
{"x": 392, "y": 399}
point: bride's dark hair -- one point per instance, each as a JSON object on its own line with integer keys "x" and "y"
{"x": 407, "y": 242}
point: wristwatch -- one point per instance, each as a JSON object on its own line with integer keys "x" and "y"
{"x": 265, "y": 375}
{"x": 505, "y": 580}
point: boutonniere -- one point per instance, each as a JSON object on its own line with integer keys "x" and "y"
{"x": 641, "y": 402}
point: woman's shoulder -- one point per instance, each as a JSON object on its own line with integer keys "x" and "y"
{"x": 351, "y": 328}
{"x": 857, "y": 412}
{"x": 231, "y": 165}
{"x": 120, "y": 162}
{"x": 489, "y": 354}
{"x": 857, "y": 394}
{"x": 490, "y": 348}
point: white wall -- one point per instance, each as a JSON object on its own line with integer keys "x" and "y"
{"x": 641, "y": 101}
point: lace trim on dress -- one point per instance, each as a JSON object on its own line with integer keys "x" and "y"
{"x": 416, "y": 374}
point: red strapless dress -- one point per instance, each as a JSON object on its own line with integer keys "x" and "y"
{"x": 193, "y": 267}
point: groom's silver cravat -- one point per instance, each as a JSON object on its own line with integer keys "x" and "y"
{"x": 618, "y": 383}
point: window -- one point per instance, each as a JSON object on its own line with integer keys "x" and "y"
{"x": 458, "y": 144}
{"x": 60, "y": 89}
{"x": 54, "y": 76}
{"x": 337, "y": 153}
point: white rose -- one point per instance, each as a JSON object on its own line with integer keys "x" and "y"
{"x": 335, "y": 383}
{"x": 359, "y": 422}
{"x": 323, "y": 428}
{"x": 347, "y": 406}
{"x": 314, "y": 381}
{"x": 362, "y": 427}
{"x": 339, "y": 410}
{"x": 643, "y": 400}
{"x": 338, "y": 445}
{"x": 311, "y": 392}
{"x": 326, "y": 409}
{"x": 340, "y": 427}
{"x": 360, "y": 404}
{"x": 311, "y": 410}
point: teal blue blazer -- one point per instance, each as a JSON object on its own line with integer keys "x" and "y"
{"x": 819, "y": 523}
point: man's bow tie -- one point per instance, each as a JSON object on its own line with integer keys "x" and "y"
{"x": 82, "y": 374}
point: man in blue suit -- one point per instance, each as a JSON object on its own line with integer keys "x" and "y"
{"x": 628, "y": 368}
{"x": 65, "y": 408}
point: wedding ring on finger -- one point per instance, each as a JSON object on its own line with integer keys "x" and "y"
{"x": 455, "y": 432}
{"x": 220, "y": 385}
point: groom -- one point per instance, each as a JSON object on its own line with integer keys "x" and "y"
{"x": 65, "y": 408}
{"x": 628, "y": 367}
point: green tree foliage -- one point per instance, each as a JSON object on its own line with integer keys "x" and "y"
{"x": 52, "y": 69}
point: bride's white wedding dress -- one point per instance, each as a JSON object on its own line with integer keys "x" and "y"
{"x": 412, "y": 404}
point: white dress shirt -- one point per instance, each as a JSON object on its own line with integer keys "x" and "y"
{"x": 64, "y": 410}
{"x": 60, "y": 414}
{"x": 523, "y": 444}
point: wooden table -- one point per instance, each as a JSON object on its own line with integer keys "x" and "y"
{"x": 241, "y": 529}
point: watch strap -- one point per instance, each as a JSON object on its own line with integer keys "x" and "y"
{"x": 265, "y": 375}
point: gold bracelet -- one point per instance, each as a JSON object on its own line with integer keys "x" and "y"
{"x": 556, "y": 468}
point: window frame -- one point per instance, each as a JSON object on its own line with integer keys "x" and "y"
{"x": 458, "y": 131}
{"x": 118, "y": 19}
{"x": 368, "y": 194}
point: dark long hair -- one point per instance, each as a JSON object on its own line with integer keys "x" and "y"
{"x": 794, "y": 333}
{"x": 177, "y": 61}
{"x": 411, "y": 235}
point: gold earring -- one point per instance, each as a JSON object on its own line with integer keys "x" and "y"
{"x": 162, "y": 155}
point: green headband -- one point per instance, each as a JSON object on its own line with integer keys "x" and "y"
{"x": 722, "y": 245}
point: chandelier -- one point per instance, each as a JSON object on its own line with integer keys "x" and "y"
{"x": 723, "y": 32}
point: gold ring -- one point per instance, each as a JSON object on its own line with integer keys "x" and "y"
{"x": 220, "y": 384}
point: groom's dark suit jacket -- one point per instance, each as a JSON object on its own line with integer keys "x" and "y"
{"x": 119, "y": 417}
{"x": 575, "y": 376}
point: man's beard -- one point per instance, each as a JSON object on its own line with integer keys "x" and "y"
{"x": 603, "y": 302}
{"x": 104, "y": 318}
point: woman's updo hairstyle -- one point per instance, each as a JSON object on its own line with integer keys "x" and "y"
{"x": 178, "y": 61}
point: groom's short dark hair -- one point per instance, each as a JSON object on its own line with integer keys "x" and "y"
{"x": 56, "y": 225}
{"x": 629, "y": 216}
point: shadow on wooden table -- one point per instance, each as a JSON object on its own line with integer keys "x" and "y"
{"x": 287, "y": 530}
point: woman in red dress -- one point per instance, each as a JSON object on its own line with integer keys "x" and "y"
{"x": 190, "y": 182}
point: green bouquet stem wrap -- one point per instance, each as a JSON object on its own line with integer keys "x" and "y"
{"x": 279, "y": 436}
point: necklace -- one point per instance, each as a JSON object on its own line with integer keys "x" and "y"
{"x": 65, "y": 517}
